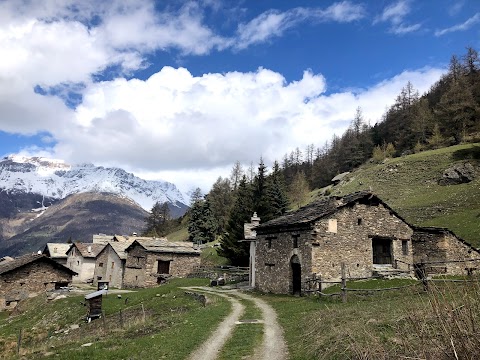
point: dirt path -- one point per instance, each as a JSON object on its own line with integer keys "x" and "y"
{"x": 273, "y": 346}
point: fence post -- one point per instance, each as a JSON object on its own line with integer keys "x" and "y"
{"x": 143, "y": 311}
{"x": 103, "y": 321}
{"x": 344, "y": 284}
{"x": 19, "y": 340}
{"x": 423, "y": 271}
{"x": 121, "y": 318}
{"x": 320, "y": 290}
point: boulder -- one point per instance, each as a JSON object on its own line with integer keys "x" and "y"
{"x": 458, "y": 174}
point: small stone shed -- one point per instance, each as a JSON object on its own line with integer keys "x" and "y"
{"x": 57, "y": 252}
{"x": 444, "y": 252}
{"x": 81, "y": 258}
{"x": 150, "y": 261}
{"x": 359, "y": 230}
{"x": 30, "y": 275}
{"x": 110, "y": 264}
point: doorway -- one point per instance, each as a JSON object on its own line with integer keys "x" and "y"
{"x": 296, "y": 275}
{"x": 382, "y": 251}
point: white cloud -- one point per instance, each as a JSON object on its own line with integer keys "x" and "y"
{"x": 190, "y": 130}
{"x": 274, "y": 23}
{"x": 395, "y": 14}
{"x": 475, "y": 19}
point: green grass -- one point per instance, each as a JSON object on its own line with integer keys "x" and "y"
{"x": 409, "y": 185}
{"x": 209, "y": 256}
{"x": 179, "y": 235}
{"x": 246, "y": 336}
{"x": 175, "y": 324}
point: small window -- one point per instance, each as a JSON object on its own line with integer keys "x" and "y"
{"x": 404, "y": 247}
{"x": 100, "y": 265}
{"x": 113, "y": 264}
{"x": 78, "y": 262}
{"x": 359, "y": 221}
{"x": 295, "y": 241}
{"x": 99, "y": 278}
{"x": 269, "y": 243}
{"x": 55, "y": 250}
{"x": 332, "y": 225}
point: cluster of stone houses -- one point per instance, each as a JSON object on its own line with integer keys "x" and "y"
{"x": 116, "y": 261}
{"x": 359, "y": 231}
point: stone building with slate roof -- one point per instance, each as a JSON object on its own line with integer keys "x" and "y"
{"x": 81, "y": 258}
{"x": 110, "y": 264}
{"x": 150, "y": 261}
{"x": 57, "y": 252}
{"x": 30, "y": 275}
{"x": 359, "y": 230}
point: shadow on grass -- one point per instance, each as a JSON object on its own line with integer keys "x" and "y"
{"x": 470, "y": 153}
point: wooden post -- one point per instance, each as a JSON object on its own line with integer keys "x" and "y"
{"x": 423, "y": 271}
{"x": 344, "y": 284}
{"x": 103, "y": 322}
{"x": 121, "y": 318}
{"x": 320, "y": 290}
{"x": 143, "y": 311}
{"x": 19, "y": 342}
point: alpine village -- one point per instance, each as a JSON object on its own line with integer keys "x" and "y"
{"x": 366, "y": 247}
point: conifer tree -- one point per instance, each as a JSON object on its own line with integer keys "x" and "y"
{"x": 277, "y": 198}
{"x": 231, "y": 247}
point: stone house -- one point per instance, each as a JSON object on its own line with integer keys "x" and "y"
{"x": 57, "y": 252}
{"x": 105, "y": 239}
{"x": 81, "y": 258}
{"x": 110, "y": 264}
{"x": 150, "y": 261}
{"x": 443, "y": 252}
{"x": 359, "y": 230}
{"x": 30, "y": 275}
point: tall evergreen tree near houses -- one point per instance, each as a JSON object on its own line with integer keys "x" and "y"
{"x": 277, "y": 197}
{"x": 231, "y": 246}
{"x": 260, "y": 198}
{"x": 221, "y": 199}
{"x": 202, "y": 225}
{"x": 158, "y": 220}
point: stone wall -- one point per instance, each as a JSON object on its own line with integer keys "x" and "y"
{"x": 141, "y": 266}
{"x": 322, "y": 252}
{"x": 444, "y": 253}
{"x": 30, "y": 280}
{"x": 274, "y": 253}
{"x": 352, "y": 243}
{"x": 134, "y": 275}
{"x": 105, "y": 271}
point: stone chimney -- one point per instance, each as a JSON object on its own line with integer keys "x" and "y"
{"x": 248, "y": 232}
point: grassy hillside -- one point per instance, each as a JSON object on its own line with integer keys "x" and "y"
{"x": 409, "y": 185}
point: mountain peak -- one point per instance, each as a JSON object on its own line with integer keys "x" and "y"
{"x": 57, "y": 179}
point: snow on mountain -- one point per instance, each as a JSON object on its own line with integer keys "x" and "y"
{"x": 56, "y": 179}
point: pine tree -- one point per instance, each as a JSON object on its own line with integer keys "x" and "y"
{"x": 231, "y": 247}
{"x": 276, "y": 194}
{"x": 260, "y": 199}
{"x": 202, "y": 225}
{"x": 221, "y": 201}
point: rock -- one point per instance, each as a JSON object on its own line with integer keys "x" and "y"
{"x": 87, "y": 344}
{"x": 74, "y": 326}
{"x": 458, "y": 174}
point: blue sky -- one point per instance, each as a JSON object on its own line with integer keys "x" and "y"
{"x": 181, "y": 90}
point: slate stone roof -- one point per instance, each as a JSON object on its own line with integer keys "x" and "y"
{"x": 56, "y": 250}
{"x": 120, "y": 248}
{"x": 162, "y": 245}
{"x": 20, "y": 261}
{"x": 88, "y": 250}
{"x": 312, "y": 212}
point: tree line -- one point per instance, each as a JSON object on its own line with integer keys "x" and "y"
{"x": 447, "y": 114}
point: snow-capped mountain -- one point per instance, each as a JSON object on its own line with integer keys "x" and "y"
{"x": 56, "y": 179}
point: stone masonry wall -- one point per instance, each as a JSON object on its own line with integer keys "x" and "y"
{"x": 445, "y": 251}
{"x": 114, "y": 275}
{"x": 322, "y": 252}
{"x": 273, "y": 264}
{"x": 142, "y": 272}
{"x": 30, "y": 280}
{"x": 134, "y": 274}
{"x": 352, "y": 243}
